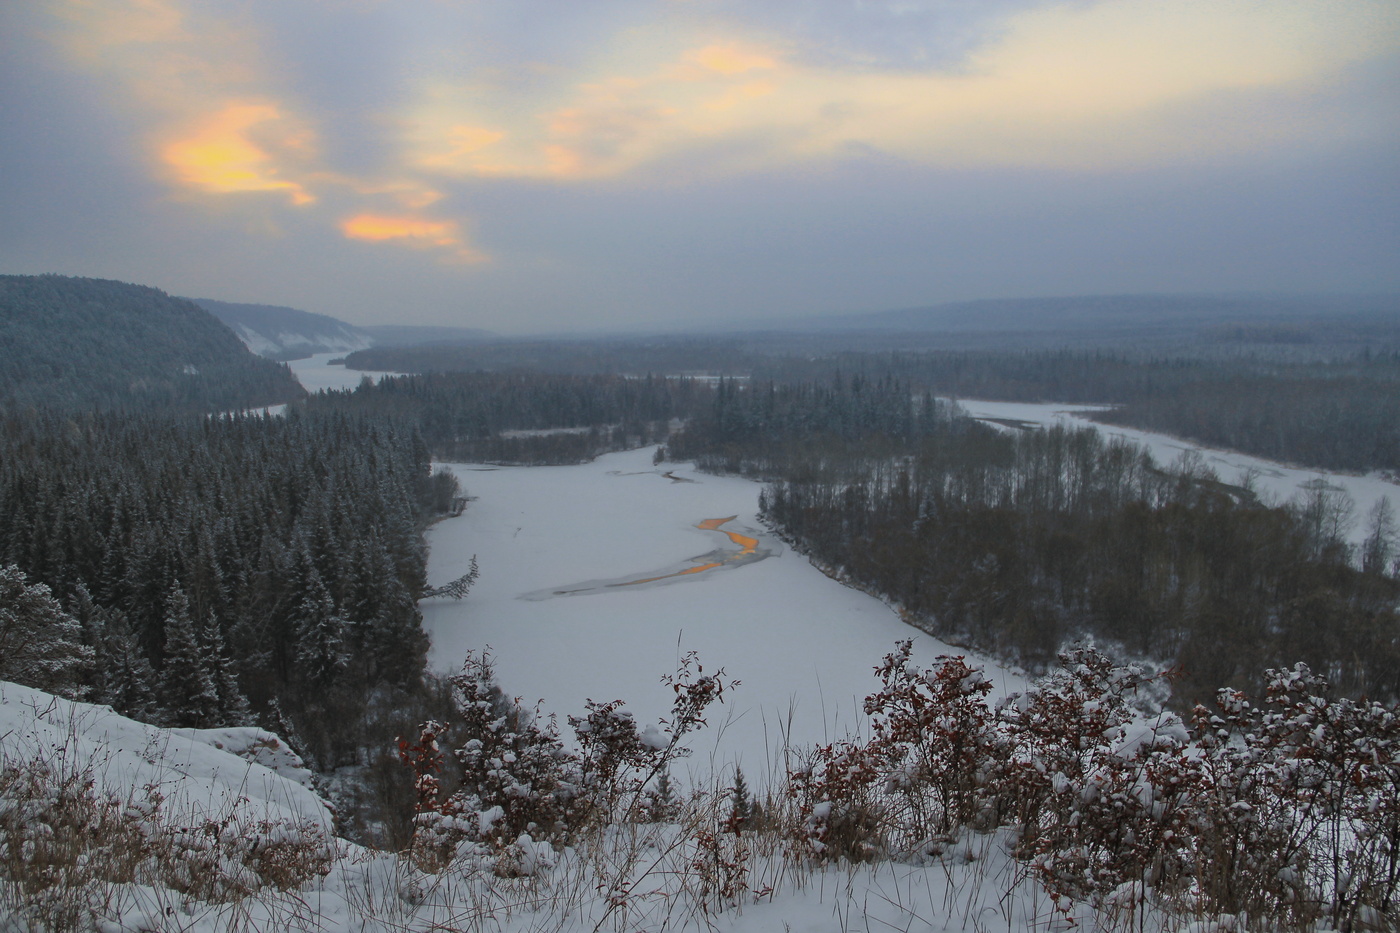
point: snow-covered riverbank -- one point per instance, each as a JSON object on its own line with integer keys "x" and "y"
{"x": 1275, "y": 482}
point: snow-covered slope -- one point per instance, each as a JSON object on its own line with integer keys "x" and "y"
{"x": 278, "y": 332}
{"x": 182, "y": 801}
{"x": 245, "y": 773}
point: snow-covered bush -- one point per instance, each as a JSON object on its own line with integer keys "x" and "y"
{"x": 1285, "y": 814}
{"x": 933, "y": 741}
{"x": 922, "y": 777}
{"x": 1094, "y": 790}
{"x": 615, "y": 761}
{"x": 64, "y": 844}
{"x": 1298, "y": 815}
{"x": 520, "y": 787}
{"x": 624, "y": 773}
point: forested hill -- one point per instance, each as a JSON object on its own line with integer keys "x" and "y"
{"x": 77, "y": 343}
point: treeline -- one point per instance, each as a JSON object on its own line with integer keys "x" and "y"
{"x": 1342, "y": 415}
{"x": 1335, "y": 422}
{"x": 812, "y": 429}
{"x": 530, "y": 418}
{"x": 229, "y": 570}
{"x": 1019, "y": 543}
{"x": 94, "y": 344}
{"x": 634, "y": 356}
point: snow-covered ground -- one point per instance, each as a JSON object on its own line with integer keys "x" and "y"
{"x": 197, "y": 772}
{"x": 1274, "y": 481}
{"x": 803, "y": 645}
{"x": 198, "y": 797}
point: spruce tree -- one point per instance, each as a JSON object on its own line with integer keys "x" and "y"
{"x": 40, "y": 644}
{"x": 128, "y": 680}
{"x": 188, "y": 691}
{"x": 233, "y": 704}
{"x": 320, "y": 636}
{"x": 740, "y": 812}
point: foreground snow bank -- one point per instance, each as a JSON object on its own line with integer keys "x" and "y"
{"x": 200, "y": 773}
{"x": 109, "y": 824}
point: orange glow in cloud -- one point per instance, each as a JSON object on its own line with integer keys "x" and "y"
{"x": 739, "y": 95}
{"x": 410, "y": 231}
{"x": 463, "y": 141}
{"x": 222, "y": 157}
{"x": 222, "y": 120}
{"x": 730, "y": 60}
{"x": 601, "y": 127}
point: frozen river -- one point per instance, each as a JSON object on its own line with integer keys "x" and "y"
{"x": 596, "y": 578}
{"x": 316, "y": 373}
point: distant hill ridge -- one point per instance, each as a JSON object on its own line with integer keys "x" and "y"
{"x": 79, "y": 343}
{"x": 1095, "y": 312}
{"x": 282, "y": 333}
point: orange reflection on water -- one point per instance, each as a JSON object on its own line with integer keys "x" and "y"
{"x": 749, "y": 545}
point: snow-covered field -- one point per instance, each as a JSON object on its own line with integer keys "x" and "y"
{"x": 1274, "y": 481}
{"x": 803, "y": 645}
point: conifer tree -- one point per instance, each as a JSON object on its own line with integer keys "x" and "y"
{"x": 320, "y": 636}
{"x": 233, "y": 704}
{"x": 740, "y": 810}
{"x": 40, "y": 644}
{"x": 128, "y": 680}
{"x": 188, "y": 691}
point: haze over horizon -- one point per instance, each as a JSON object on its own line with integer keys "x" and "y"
{"x": 548, "y": 166}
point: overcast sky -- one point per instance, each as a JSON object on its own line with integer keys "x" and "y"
{"x": 527, "y": 165}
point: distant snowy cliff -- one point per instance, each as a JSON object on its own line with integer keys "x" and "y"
{"x": 286, "y": 333}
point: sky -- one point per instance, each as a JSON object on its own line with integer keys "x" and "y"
{"x": 547, "y": 165}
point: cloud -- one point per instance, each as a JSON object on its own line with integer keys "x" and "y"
{"x": 1084, "y": 86}
{"x": 411, "y": 230}
{"x": 397, "y": 131}
{"x": 462, "y": 142}
{"x": 165, "y": 57}
{"x": 223, "y": 156}
{"x": 728, "y": 88}
{"x": 217, "y": 120}
{"x": 730, "y": 59}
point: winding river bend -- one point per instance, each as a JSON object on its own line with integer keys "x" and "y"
{"x": 750, "y": 551}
